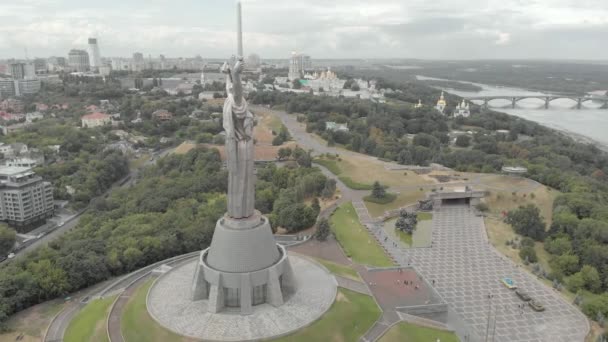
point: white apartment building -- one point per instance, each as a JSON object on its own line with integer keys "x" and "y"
{"x": 24, "y": 197}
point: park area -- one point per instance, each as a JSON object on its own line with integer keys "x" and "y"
{"x": 355, "y": 240}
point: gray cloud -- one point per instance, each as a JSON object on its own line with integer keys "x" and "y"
{"x": 441, "y": 29}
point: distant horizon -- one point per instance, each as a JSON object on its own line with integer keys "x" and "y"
{"x": 358, "y": 29}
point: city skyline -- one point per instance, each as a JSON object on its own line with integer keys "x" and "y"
{"x": 508, "y": 29}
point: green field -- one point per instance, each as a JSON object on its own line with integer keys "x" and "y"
{"x": 355, "y": 240}
{"x": 351, "y": 315}
{"x": 90, "y": 323}
{"x": 407, "y": 332}
{"x": 137, "y": 325}
{"x": 341, "y": 270}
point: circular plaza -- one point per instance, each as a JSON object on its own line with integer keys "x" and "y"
{"x": 169, "y": 303}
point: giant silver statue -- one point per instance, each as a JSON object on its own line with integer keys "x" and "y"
{"x": 244, "y": 266}
{"x": 238, "y": 125}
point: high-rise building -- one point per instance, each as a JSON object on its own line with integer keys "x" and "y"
{"x": 298, "y": 65}
{"x": 79, "y": 60}
{"x": 24, "y": 197}
{"x": 40, "y": 66}
{"x": 17, "y": 70}
{"x": 254, "y": 61}
{"x": 94, "y": 54}
{"x": 138, "y": 62}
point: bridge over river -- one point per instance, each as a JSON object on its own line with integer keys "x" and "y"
{"x": 577, "y": 99}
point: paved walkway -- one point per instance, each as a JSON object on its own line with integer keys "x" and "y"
{"x": 467, "y": 270}
{"x": 115, "y": 316}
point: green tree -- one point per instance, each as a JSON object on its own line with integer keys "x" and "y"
{"x": 528, "y": 254}
{"x": 463, "y": 141}
{"x": 564, "y": 265}
{"x": 378, "y": 190}
{"x": 284, "y": 153}
{"x": 8, "y": 237}
{"x": 323, "y": 230}
{"x": 526, "y": 220}
{"x": 407, "y": 222}
{"x": 558, "y": 246}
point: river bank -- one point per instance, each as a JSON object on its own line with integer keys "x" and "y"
{"x": 587, "y": 125}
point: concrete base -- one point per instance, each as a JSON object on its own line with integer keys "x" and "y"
{"x": 170, "y": 304}
{"x": 243, "y": 267}
{"x": 276, "y": 281}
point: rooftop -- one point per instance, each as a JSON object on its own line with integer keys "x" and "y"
{"x": 13, "y": 170}
{"x": 95, "y": 116}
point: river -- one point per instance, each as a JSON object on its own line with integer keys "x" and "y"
{"x": 590, "y": 122}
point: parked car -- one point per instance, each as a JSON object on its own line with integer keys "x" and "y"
{"x": 522, "y": 295}
{"x": 509, "y": 283}
{"x": 536, "y": 306}
{"x": 10, "y": 256}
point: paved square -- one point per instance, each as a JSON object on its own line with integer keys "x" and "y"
{"x": 466, "y": 269}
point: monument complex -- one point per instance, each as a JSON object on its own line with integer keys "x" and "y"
{"x": 244, "y": 286}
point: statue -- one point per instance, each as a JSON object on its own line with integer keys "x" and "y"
{"x": 238, "y": 125}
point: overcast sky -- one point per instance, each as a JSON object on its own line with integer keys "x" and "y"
{"x": 439, "y": 29}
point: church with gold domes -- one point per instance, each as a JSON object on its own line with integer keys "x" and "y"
{"x": 441, "y": 104}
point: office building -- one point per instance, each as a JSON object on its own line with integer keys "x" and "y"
{"x": 78, "y": 60}
{"x": 24, "y": 197}
{"x": 95, "y": 57}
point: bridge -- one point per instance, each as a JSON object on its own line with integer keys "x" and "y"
{"x": 579, "y": 100}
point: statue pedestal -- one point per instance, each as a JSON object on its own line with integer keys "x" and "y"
{"x": 243, "y": 266}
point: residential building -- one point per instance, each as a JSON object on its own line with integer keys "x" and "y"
{"x": 441, "y": 104}
{"x": 162, "y": 115}
{"x": 24, "y": 197}
{"x": 30, "y": 117}
{"x": 138, "y": 62}
{"x": 79, "y": 60}
{"x": 336, "y": 127}
{"x": 462, "y": 110}
{"x": 298, "y": 64}
{"x": 40, "y": 66}
{"x": 95, "y": 57}
{"x": 14, "y": 105}
{"x": 55, "y": 64}
{"x": 419, "y": 104}
{"x": 22, "y": 162}
{"x": 96, "y": 120}
{"x": 18, "y": 87}
{"x": 28, "y": 86}
{"x": 17, "y": 70}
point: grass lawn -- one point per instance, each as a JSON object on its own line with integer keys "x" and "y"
{"x": 351, "y": 315}
{"x": 365, "y": 170}
{"x": 407, "y": 332}
{"x": 90, "y": 323}
{"x": 499, "y": 201}
{"x": 341, "y": 270}
{"x": 137, "y": 325}
{"x": 355, "y": 240}
{"x": 403, "y": 199}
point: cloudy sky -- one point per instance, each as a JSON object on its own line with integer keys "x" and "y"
{"x": 439, "y": 29}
